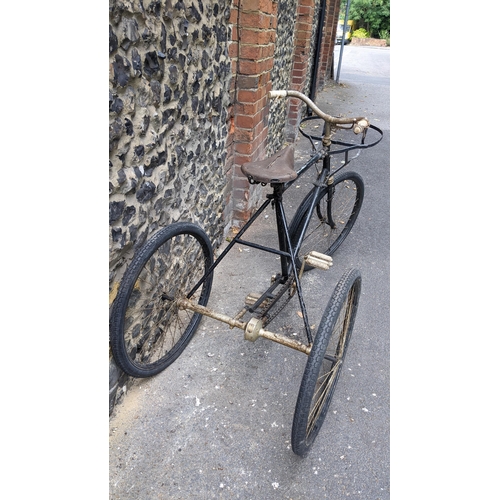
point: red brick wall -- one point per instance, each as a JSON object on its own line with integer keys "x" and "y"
{"x": 251, "y": 50}
{"x": 328, "y": 42}
{"x": 303, "y": 28}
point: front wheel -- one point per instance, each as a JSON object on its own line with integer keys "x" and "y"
{"x": 148, "y": 330}
{"x": 334, "y": 215}
{"x": 325, "y": 362}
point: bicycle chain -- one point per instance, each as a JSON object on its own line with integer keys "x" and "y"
{"x": 286, "y": 286}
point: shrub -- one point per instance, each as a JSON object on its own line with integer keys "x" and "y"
{"x": 361, "y": 33}
{"x": 385, "y": 35}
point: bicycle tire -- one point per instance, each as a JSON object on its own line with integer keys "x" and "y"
{"x": 325, "y": 362}
{"x": 148, "y": 331}
{"x": 320, "y": 236}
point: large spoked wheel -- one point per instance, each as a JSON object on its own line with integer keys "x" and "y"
{"x": 334, "y": 215}
{"x": 325, "y": 362}
{"x": 148, "y": 331}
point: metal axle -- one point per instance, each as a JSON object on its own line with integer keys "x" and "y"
{"x": 252, "y": 328}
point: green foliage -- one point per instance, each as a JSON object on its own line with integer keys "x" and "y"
{"x": 385, "y": 35}
{"x": 361, "y": 33}
{"x": 372, "y": 15}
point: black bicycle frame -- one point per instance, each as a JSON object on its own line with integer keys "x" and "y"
{"x": 286, "y": 251}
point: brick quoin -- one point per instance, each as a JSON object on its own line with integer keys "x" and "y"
{"x": 251, "y": 50}
{"x": 252, "y": 53}
{"x": 252, "y": 95}
{"x": 323, "y": 71}
{"x": 301, "y": 62}
{"x": 268, "y": 6}
{"x": 332, "y": 9}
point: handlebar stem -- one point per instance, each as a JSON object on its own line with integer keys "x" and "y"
{"x": 326, "y": 135}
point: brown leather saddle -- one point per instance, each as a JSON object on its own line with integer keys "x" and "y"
{"x": 276, "y": 168}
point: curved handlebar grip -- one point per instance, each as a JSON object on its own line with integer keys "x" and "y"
{"x": 359, "y": 124}
{"x": 277, "y": 93}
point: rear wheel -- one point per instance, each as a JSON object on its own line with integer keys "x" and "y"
{"x": 334, "y": 215}
{"x": 148, "y": 331}
{"x": 325, "y": 362}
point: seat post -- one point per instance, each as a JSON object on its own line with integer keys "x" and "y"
{"x": 277, "y": 196}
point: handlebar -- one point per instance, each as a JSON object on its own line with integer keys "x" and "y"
{"x": 358, "y": 125}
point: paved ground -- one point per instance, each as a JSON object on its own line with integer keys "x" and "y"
{"x": 217, "y": 423}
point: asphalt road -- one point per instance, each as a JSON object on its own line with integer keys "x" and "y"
{"x": 217, "y": 423}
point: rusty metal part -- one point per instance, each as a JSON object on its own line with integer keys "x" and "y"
{"x": 240, "y": 314}
{"x": 187, "y": 304}
{"x": 267, "y": 318}
{"x": 360, "y": 126}
{"x": 253, "y": 328}
{"x": 327, "y": 132}
{"x": 253, "y": 297}
{"x": 281, "y": 339}
{"x": 362, "y": 122}
{"x": 319, "y": 260}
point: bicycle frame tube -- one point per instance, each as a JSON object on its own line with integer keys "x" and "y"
{"x": 285, "y": 249}
{"x": 287, "y": 252}
{"x": 303, "y": 169}
{"x": 281, "y": 225}
{"x": 284, "y": 238}
{"x": 235, "y": 240}
{"x": 319, "y": 184}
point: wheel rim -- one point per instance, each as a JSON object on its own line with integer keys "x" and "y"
{"x": 154, "y": 328}
{"x": 332, "y": 364}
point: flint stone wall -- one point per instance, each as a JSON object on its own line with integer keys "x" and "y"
{"x": 168, "y": 100}
{"x": 169, "y": 74}
{"x": 312, "y": 54}
{"x": 281, "y": 73}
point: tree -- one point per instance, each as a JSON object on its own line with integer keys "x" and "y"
{"x": 372, "y": 15}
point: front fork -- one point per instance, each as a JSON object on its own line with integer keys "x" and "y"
{"x": 331, "y": 191}
{"x": 329, "y": 180}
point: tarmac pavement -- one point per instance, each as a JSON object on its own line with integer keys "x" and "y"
{"x": 217, "y": 423}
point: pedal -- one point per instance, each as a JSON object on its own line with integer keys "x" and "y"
{"x": 253, "y": 297}
{"x": 318, "y": 260}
